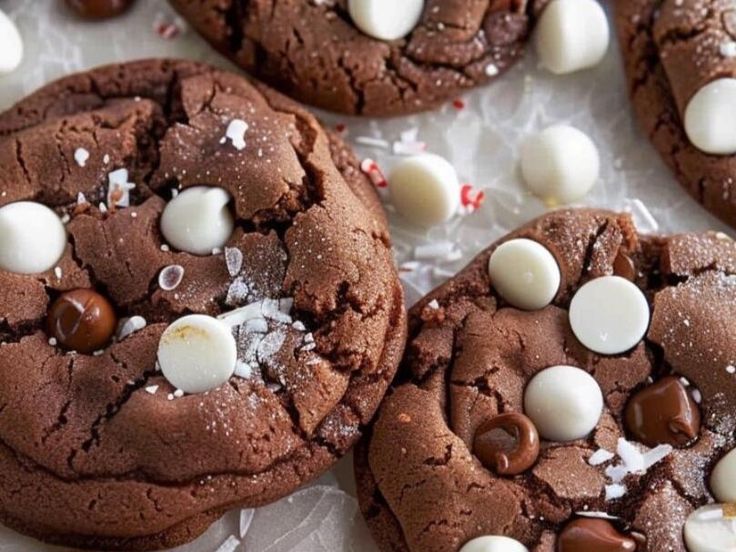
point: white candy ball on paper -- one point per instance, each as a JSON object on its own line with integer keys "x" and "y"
{"x": 386, "y": 19}
{"x": 493, "y": 544}
{"x": 524, "y": 273}
{"x": 197, "y": 353}
{"x": 425, "y": 189}
{"x": 198, "y": 220}
{"x": 564, "y": 402}
{"x": 560, "y": 164}
{"x": 609, "y": 315}
{"x": 723, "y": 478}
{"x": 32, "y": 238}
{"x": 572, "y": 35}
{"x": 11, "y": 45}
{"x": 708, "y": 530}
{"x": 710, "y": 117}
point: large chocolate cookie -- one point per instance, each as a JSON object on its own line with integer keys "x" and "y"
{"x": 671, "y": 50}
{"x": 504, "y": 423}
{"x": 98, "y": 449}
{"x": 313, "y": 50}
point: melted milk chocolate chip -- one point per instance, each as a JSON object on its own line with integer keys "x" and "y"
{"x": 593, "y": 535}
{"x": 663, "y": 413}
{"x": 508, "y": 443}
{"x": 82, "y": 320}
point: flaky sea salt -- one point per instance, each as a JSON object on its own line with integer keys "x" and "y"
{"x": 599, "y": 457}
{"x": 233, "y": 260}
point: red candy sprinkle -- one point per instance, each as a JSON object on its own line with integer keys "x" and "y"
{"x": 458, "y": 104}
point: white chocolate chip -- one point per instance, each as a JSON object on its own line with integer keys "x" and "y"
{"x": 493, "y": 544}
{"x": 572, "y": 35}
{"x": 198, "y": 220}
{"x": 32, "y": 238}
{"x": 11, "y": 45}
{"x": 564, "y": 402}
{"x": 723, "y": 478}
{"x": 707, "y": 529}
{"x": 524, "y": 273}
{"x": 425, "y": 189}
{"x": 386, "y": 19}
{"x": 609, "y": 315}
{"x": 197, "y": 353}
{"x": 710, "y": 117}
{"x": 560, "y": 164}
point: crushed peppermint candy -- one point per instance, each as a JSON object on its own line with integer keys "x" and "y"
{"x": 235, "y": 132}
{"x": 80, "y": 156}
{"x": 471, "y": 198}
{"x": 170, "y": 277}
{"x": 374, "y": 173}
{"x": 118, "y": 188}
{"x": 128, "y": 326}
{"x": 151, "y": 389}
{"x": 167, "y": 27}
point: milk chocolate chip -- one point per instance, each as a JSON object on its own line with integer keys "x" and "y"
{"x": 82, "y": 320}
{"x": 507, "y": 444}
{"x": 663, "y": 413}
{"x": 99, "y": 9}
{"x": 593, "y": 535}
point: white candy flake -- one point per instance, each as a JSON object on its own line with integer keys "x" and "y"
{"x": 236, "y": 134}
{"x": 128, "y": 326}
{"x": 80, "y": 156}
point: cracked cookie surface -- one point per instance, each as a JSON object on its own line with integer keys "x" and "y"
{"x": 671, "y": 49}
{"x": 93, "y": 450}
{"x": 313, "y": 52}
{"x": 470, "y": 356}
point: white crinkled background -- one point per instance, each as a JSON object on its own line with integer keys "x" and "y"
{"x": 481, "y": 140}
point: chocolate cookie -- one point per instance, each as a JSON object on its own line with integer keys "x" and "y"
{"x": 278, "y": 315}
{"x": 677, "y": 56}
{"x": 409, "y": 56}
{"x": 505, "y": 431}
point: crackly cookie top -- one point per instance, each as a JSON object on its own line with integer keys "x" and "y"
{"x": 316, "y": 52}
{"x": 506, "y": 423}
{"x": 95, "y": 440}
{"x": 680, "y": 59}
